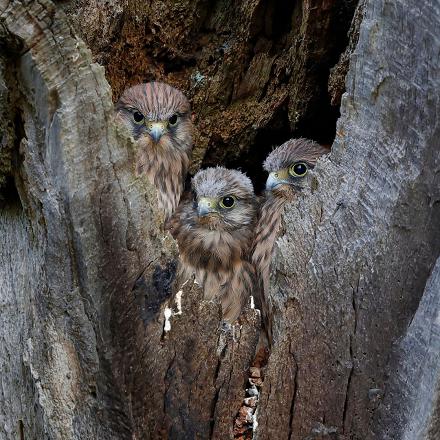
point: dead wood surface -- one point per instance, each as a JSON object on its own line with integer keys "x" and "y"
{"x": 356, "y": 252}
{"x": 86, "y": 271}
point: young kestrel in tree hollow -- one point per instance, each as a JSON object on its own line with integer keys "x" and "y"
{"x": 158, "y": 117}
{"x": 214, "y": 233}
{"x": 288, "y": 167}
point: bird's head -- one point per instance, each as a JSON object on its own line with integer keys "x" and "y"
{"x": 289, "y": 165}
{"x": 223, "y": 199}
{"x": 158, "y": 114}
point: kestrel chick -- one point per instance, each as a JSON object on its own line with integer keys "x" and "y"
{"x": 214, "y": 233}
{"x": 288, "y": 167}
{"x": 158, "y": 117}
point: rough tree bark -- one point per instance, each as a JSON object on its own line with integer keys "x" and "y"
{"x": 411, "y": 407}
{"x": 65, "y": 256}
{"x": 86, "y": 271}
{"x": 357, "y": 251}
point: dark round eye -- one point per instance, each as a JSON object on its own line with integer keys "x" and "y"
{"x": 298, "y": 169}
{"x": 227, "y": 202}
{"x": 172, "y": 120}
{"x": 138, "y": 117}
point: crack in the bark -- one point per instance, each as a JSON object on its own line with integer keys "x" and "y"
{"x": 21, "y": 429}
{"x": 295, "y": 392}
{"x": 348, "y": 389}
{"x": 354, "y": 303}
{"x": 217, "y": 392}
{"x": 352, "y": 336}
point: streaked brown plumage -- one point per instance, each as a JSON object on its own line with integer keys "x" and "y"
{"x": 158, "y": 117}
{"x": 214, "y": 239}
{"x": 285, "y": 166}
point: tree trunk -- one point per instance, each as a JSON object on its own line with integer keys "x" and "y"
{"x": 411, "y": 407}
{"x": 86, "y": 271}
{"x": 356, "y": 252}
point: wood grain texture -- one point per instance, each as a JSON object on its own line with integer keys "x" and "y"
{"x": 356, "y": 252}
{"x": 86, "y": 270}
{"x": 410, "y": 409}
{"x": 71, "y": 256}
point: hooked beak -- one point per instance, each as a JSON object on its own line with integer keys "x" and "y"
{"x": 277, "y": 178}
{"x": 206, "y": 206}
{"x": 156, "y": 130}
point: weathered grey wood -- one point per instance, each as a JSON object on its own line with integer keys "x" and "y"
{"x": 357, "y": 250}
{"x": 58, "y": 241}
{"x": 86, "y": 270}
{"x": 411, "y": 407}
